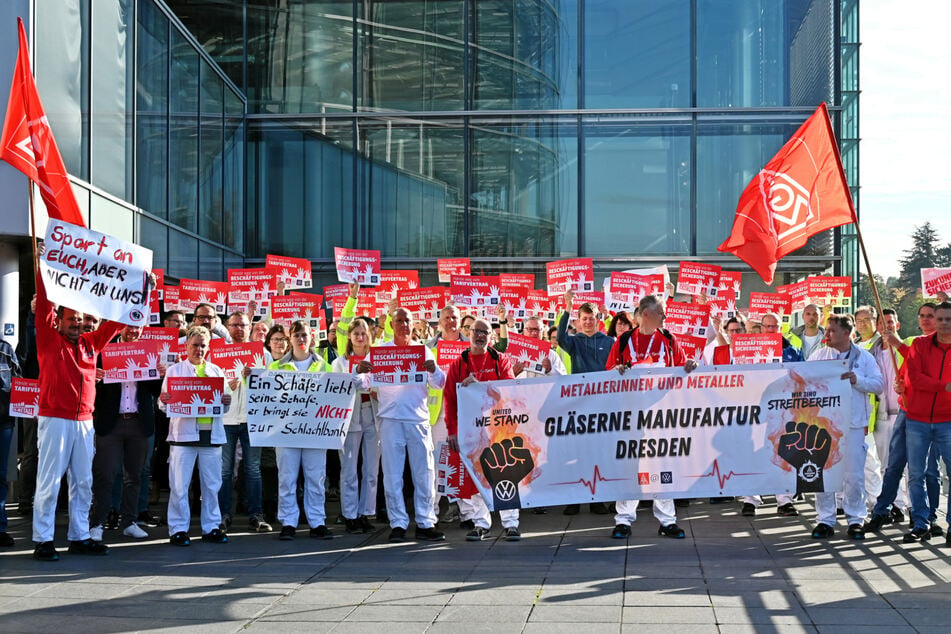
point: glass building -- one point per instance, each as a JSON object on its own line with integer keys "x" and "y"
{"x": 513, "y": 132}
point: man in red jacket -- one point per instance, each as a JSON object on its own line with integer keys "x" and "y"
{"x": 479, "y": 363}
{"x": 927, "y": 400}
{"x": 67, "y": 359}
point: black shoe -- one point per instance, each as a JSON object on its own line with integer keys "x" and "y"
{"x": 571, "y": 509}
{"x": 512, "y": 534}
{"x": 45, "y": 552}
{"x": 147, "y": 519}
{"x": 467, "y": 525}
{"x": 749, "y": 510}
{"x": 365, "y": 525}
{"x": 787, "y": 510}
{"x": 875, "y": 523}
{"x": 88, "y": 547}
{"x": 321, "y": 532}
{"x": 682, "y": 504}
{"x": 397, "y": 535}
{"x": 856, "y": 531}
{"x": 672, "y": 531}
{"x": 721, "y": 500}
{"x": 477, "y": 534}
{"x": 840, "y": 512}
{"x": 215, "y": 536}
{"x": 917, "y": 535}
{"x": 352, "y": 526}
{"x": 598, "y": 508}
{"x": 936, "y": 531}
{"x": 112, "y": 520}
{"x": 896, "y": 516}
{"x": 5, "y": 540}
{"x": 429, "y": 535}
{"x": 822, "y": 531}
{"x": 540, "y": 510}
{"x": 621, "y": 531}
{"x": 287, "y": 533}
{"x": 180, "y": 539}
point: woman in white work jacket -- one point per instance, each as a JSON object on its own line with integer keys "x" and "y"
{"x": 290, "y": 460}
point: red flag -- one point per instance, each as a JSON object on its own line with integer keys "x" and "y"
{"x": 800, "y": 192}
{"x": 27, "y": 142}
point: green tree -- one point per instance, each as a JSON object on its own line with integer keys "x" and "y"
{"x": 922, "y": 254}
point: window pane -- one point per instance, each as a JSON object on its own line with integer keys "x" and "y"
{"x": 183, "y": 141}
{"x": 210, "y": 165}
{"x": 112, "y": 86}
{"x": 111, "y": 218}
{"x": 637, "y": 189}
{"x": 411, "y": 55}
{"x": 411, "y": 183}
{"x": 62, "y": 77}
{"x": 182, "y": 255}
{"x": 210, "y": 263}
{"x": 152, "y": 110}
{"x": 637, "y": 54}
{"x": 526, "y": 54}
{"x": 154, "y": 235}
{"x": 233, "y": 208}
{"x": 524, "y": 198}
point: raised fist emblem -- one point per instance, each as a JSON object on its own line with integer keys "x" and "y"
{"x": 806, "y": 447}
{"x": 505, "y": 464}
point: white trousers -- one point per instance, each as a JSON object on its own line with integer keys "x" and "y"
{"x": 757, "y": 500}
{"x": 476, "y": 510}
{"x": 181, "y": 465}
{"x": 439, "y": 434}
{"x": 664, "y": 511}
{"x": 874, "y": 468}
{"x": 358, "y": 499}
{"x": 314, "y": 463}
{"x": 853, "y": 485}
{"x": 64, "y": 446}
{"x": 883, "y": 438}
{"x": 397, "y": 439}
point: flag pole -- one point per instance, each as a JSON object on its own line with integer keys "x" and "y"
{"x": 36, "y": 260}
{"x": 858, "y": 231}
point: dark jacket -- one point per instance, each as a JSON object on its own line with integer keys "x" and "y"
{"x": 588, "y": 354}
{"x": 9, "y": 369}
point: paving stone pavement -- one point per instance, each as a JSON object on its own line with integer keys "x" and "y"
{"x": 731, "y": 574}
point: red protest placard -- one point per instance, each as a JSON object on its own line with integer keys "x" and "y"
{"x": 195, "y": 292}
{"x": 286, "y": 309}
{"x": 447, "y": 267}
{"x": 515, "y": 301}
{"x": 166, "y": 343}
{"x": 692, "y": 346}
{"x": 826, "y": 290}
{"x": 358, "y": 265}
{"x": 625, "y": 290}
{"x": 934, "y": 281}
{"x": 25, "y": 398}
{"x": 155, "y": 310}
{"x": 424, "y": 303}
{"x": 687, "y": 319}
{"x": 475, "y": 291}
{"x": 540, "y": 305}
{"x": 251, "y": 285}
{"x": 729, "y": 281}
{"x": 449, "y": 351}
{"x": 354, "y": 361}
{"x": 170, "y": 298}
{"x": 333, "y": 291}
{"x": 698, "y": 278}
{"x": 595, "y": 298}
{"x": 517, "y": 280}
{"x": 798, "y": 294}
{"x": 367, "y": 305}
{"x": 391, "y": 282}
{"x": 194, "y": 397}
{"x": 570, "y": 275}
{"x": 398, "y": 365}
{"x": 528, "y": 351}
{"x": 762, "y": 303}
{"x": 130, "y": 361}
{"x": 234, "y": 357}
{"x": 452, "y": 479}
{"x": 724, "y": 304}
{"x": 159, "y": 290}
{"x": 290, "y": 272}
{"x": 757, "y": 348}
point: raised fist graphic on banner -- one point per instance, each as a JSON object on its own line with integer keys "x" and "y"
{"x": 504, "y": 465}
{"x": 806, "y": 447}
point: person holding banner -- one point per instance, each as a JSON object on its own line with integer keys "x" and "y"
{"x": 9, "y": 369}
{"x": 65, "y": 434}
{"x": 358, "y": 498}
{"x": 648, "y": 344}
{"x": 192, "y": 440}
{"x": 480, "y": 362}
{"x": 863, "y": 373}
{"x": 405, "y": 429}
{"x": 291, "y": 460}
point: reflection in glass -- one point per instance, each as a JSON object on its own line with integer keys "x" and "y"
{"x": 232, "y": 219}
{"x": 637, "y": 189}
{"x": 152, "y": 110}
{"x": 183, "y": 134}
{"x": 524, "y": 196}
{"x": 183, "y": 255}
{"x": 637, "y": 54}
{"x": 210, "y": 166}
{"x": 153, "y": 235}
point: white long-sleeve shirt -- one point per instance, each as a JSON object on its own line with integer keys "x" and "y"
{"x": 408, "y": 403}
{"x": 868, "y": 379}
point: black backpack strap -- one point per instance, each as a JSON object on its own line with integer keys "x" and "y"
{"x": 622, "y": 342}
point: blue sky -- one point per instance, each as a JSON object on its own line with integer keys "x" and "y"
{"x": 904, "y": 125}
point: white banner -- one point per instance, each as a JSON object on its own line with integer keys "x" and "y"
{"x": 309, "y": 410}
{"x": 95, "y": 273}
{"x": 655, "y": 433}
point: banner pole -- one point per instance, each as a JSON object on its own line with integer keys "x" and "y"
{"x": 36, "y": 261}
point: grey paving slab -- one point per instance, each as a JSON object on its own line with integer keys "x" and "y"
{"x": 394, "y": 613}
{"x": 576, "y": 614}
{"x": 679, "y": 614}
{"x": 470, "y": 614}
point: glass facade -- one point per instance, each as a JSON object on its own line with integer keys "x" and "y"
{"x": 509, "y": 132}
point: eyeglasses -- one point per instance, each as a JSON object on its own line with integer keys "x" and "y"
{"x": 533, "y": 329}
{"x": 481, "y": 331}
{"x": 278, "y": 340}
